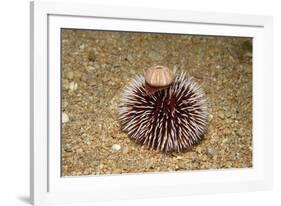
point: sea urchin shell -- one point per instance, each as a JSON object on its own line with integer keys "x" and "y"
{"x": 172, "y": 119}
{"x": 159, "y": 76}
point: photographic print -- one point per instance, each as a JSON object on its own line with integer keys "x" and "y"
{"x": 137, "y": 102}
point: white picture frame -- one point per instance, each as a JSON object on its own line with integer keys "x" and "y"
{"x": 47, "y": 185}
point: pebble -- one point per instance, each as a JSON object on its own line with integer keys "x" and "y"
{"x": 221, "y": 114}
{"x": 210, "y": 117}
{"x": 225, "y": 140}
{"x": 116, "y": 147}
{"x": 130, "y": 58}
{"x": 92, "y": 56}
{"x": 68, "y": 147}
{"x": 228, "y": 114}
{"x": 239, "y": 132}
{"x": 64, "y": 118}
{"x": 116, "y": 65}
{"x": 210, "y": 152}
{"x": 82, "y": 46}
{"x": 179, "y": 157}
{"x": 73, "y": 86}
{"x": 91, "y": 68}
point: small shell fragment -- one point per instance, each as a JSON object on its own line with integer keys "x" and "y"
{"x": 73, "y": 86}
{"x": 116, "y": 147}
{"x": 64, "y": 118}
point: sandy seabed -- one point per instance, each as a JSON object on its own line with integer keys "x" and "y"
{"x": 97, "y": 65}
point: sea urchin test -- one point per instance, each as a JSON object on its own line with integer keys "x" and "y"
{"x": 163, "y": 110}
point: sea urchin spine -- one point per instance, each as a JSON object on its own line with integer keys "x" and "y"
{"x": 172, "y": 119}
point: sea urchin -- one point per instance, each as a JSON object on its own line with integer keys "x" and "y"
{"x": 171, "y": 119}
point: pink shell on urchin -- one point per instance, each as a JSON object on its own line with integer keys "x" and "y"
{"x": 172, "y": 119}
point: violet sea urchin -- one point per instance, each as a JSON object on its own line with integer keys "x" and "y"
{"x": 171, "y": 119}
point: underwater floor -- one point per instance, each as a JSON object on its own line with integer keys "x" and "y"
{"x": 97, "y": 65}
